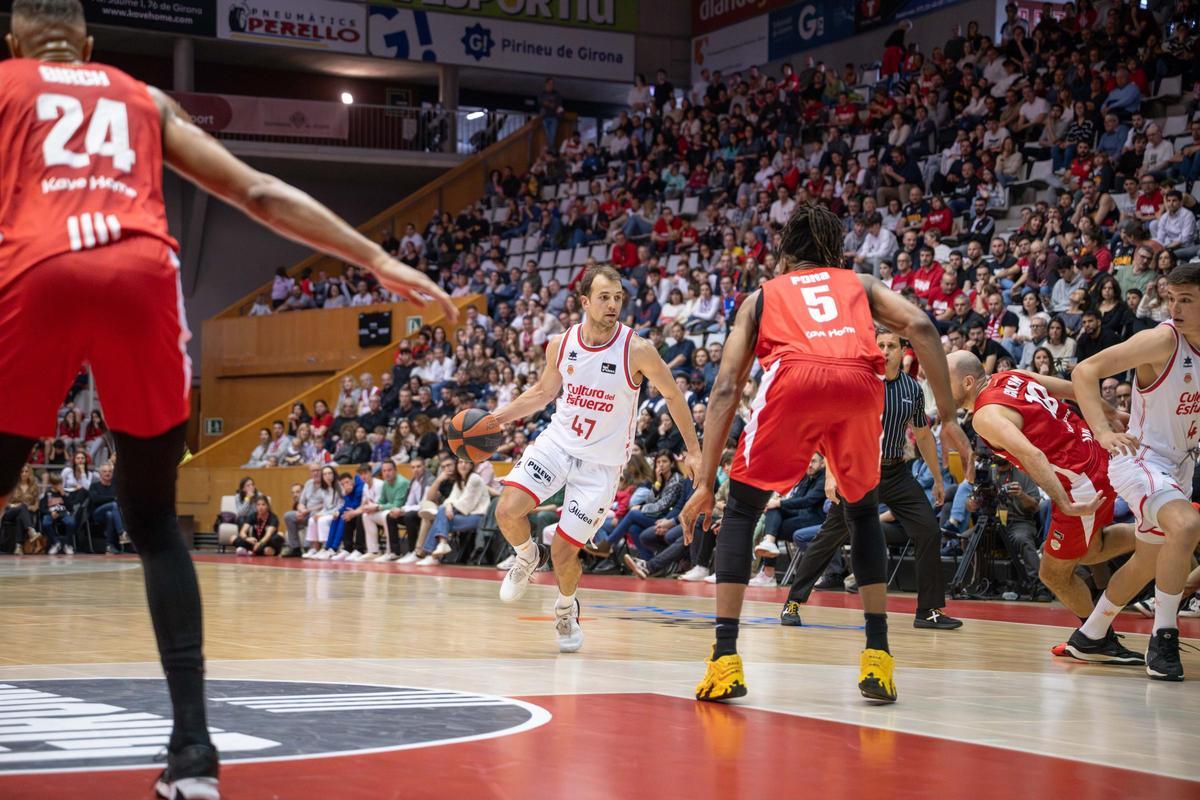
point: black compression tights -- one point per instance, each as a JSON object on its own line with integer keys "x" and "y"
{"x": 145, "y": 481}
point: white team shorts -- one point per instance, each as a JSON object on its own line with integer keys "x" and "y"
{"x": 1147, "y": 482}
{"x": 545, "y": 468}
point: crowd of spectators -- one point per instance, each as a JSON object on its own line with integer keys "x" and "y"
{"x": 66, "y": 489}
{"x": 1029, "y": 191}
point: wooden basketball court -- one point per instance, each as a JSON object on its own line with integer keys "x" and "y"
{"x": 333, "y": 680}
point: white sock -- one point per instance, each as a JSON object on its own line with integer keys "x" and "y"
{"x": 565, "y": 600}
{"x": 1101, "y": 618}
{"x": 1166, "y": 609}
{"x": 526, "y": 552}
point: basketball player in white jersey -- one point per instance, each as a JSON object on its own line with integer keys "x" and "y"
{"x": 1152, "y": 465}
{"x": 598, "y": 366}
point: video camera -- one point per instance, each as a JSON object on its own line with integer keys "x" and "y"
{"x": 985, "y": 490}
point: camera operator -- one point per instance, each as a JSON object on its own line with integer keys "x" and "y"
{"x": 999, "y": 487}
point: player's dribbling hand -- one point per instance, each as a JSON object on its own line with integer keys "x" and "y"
{"x": 953, "y": 438}
{"x": 699, "y": 507}
{"x": 1119, "y": 444}
{"x": 413, "y": 285}
{"x": 1082, "y": 509}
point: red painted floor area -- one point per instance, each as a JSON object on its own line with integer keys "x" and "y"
{"x": 996, "y": 610}
{"x": 678, "y": 749}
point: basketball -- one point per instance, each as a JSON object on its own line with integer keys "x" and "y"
{"x": 474, "y": 435}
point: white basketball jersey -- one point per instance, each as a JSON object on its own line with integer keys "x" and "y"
{"x": 1165, "y": 416}
{"x": 594, "y": 417}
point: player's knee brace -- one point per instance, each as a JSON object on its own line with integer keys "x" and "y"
{"x": 734, "y": 553}
{"x": 868, "y": 550}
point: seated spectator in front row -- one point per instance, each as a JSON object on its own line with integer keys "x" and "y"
{"x": 462, "y": 510}
{"x": 104, "y": 512}
{"x": 259, "y": 535}
{"x": 58, "y": 523}
{"x": 22, "y": 504}
{"x": 799, "y": 515}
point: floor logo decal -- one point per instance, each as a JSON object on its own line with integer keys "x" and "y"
{"x": 99, "y": 723}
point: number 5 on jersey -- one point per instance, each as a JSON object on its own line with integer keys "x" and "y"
{"x": 821, "y": 307}
{"x": 579, "y": 431}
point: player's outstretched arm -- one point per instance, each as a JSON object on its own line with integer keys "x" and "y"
{"x": 646, "y": 360}
{"x": 285, "y": 209}
{"x": 736, "y": 362}
{"x": 1153, "y": 347}
{"x": 999, "y": 427}
{"x": 541, "y": 393}
{"x": 902, "y": 317}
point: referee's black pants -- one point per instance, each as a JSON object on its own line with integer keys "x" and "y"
{"x": 899, "y": 490}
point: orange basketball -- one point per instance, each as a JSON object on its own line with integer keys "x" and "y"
{"x": 474, "y": 435}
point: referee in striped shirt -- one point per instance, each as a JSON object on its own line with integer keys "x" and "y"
{"x": 904, "y": 404}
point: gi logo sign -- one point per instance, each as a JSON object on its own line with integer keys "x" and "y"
{"x": 98, "y": 723}
{"x": 477, "y": 42}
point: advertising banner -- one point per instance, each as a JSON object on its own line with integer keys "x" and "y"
{"x": 599, "y": 15}
{"x": 315, "y": 24}
{"x": 194, "y": 17}
{"x": 712, "y": 15}
{"x": 268, "y": 116}
{"x": 807, "y": 25}
{"x": 874, "y": 13}
{"x": 731, "y": 49}
{"x": 499, "y": 44}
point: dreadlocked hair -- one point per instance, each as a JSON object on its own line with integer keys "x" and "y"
{"x": 813, "y": 234}
{"x": 70, "y": 11}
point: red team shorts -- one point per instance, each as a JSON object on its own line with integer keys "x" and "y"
{"x": 118, "y": 308}
{"x": 1070, "y": 537}
{"x": 804, "y": 407}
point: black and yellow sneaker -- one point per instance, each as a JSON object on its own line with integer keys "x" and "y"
{"x": 724, "y": 679}
{"x": 791, "y": 614}
{"x": 875, "y": 679}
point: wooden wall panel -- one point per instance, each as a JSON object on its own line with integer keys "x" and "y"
{"x": 248, "y": 363}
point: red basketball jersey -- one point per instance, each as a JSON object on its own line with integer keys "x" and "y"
{"x": 82, "y": 164}
{"x": 819, "y": 315}
{"x": 1050, "y": 425}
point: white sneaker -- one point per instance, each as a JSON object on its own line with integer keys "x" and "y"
{"x": 356, "y": 556}
{"x": 1190, "y": 607}
{"x": 241, "y": 551}
{"x": 566, "y": 625}
{"x": 695, "y": 574}
{"x": 443, "y": 548}
{"x": 763, "y": 579}
{"x": 68, "y": 549}
{"x": 1144, "y": 607}
{"x": 309, "y": 553}
{"x": 55, "y": 549}
{"x": 324, "y": 555}
{"x": 409, "y": 558}
{"x": 385, "y": 557}
{"x": 766, "y": 549}
{"x": 429, "y": 561}
{"x": 851, "y": 583}
{"x": 340, "y": 555}
{"x": 712, "y": 578}
{"x": 516, "y": 582}
{"x": 507, "y": 562}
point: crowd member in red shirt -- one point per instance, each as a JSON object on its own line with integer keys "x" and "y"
{"x": 940, "y": 217}
{"x": 624, "y": 252}
{"x": 845, "y": 113}
{"x": 1149, "y": 199}
{"x": 903, "y": 279}
{"x": 928, "y": 273}
{"x": 666, "y": 230}
{"x": 941, "y": 300}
